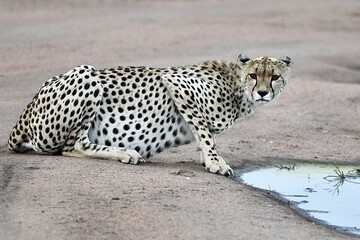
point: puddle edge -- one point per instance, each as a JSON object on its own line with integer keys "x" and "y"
{"x": 248, "y": 167}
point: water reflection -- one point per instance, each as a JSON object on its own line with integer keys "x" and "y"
{"x": 327, "y": 192}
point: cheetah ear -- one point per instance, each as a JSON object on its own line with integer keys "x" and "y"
{"x": 243, "y": 58}
{"x": 287, "y": 60}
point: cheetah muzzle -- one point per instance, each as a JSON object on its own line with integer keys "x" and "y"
{"x": 130, "y": 113}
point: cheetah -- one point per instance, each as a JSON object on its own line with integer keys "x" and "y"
{"x": 128, "y": 114}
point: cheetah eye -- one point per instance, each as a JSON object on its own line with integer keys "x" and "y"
{"x": 275, "y": 77}
{"x": 253, "y": 76}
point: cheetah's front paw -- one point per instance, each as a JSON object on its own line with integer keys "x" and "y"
{"x": 219, "y": 167}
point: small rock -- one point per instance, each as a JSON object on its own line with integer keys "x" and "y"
{"x": 184, "y": 173}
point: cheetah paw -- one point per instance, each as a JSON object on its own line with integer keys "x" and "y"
{"x": 220, "y": 168}
{"x": 131, "y": 156}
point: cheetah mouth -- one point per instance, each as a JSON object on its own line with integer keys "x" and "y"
{"x": 262, "y": 100}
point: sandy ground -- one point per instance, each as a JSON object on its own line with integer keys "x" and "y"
{"x": 316, "y": 119}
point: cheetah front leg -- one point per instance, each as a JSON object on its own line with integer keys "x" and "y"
{"x": 182, "y": 94}
{"x": 206, "y": 143}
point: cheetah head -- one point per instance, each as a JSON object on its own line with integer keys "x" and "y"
{"x": 264, "y": 78}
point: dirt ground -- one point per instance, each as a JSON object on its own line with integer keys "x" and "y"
{"x": 316, "y": 119}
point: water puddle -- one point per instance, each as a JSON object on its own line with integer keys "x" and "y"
{"x": 329, "y": 193}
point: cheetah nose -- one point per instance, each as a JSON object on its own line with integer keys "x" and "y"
{"x": 262, "y": 93}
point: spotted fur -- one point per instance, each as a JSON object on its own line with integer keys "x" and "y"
{"x": 131, "y": 113}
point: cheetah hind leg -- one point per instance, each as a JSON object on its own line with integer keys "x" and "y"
{"x": 79, "y": 145}
{"x": 83, "y": 148}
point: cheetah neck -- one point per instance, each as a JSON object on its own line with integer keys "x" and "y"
{"x": 244, "y": 106}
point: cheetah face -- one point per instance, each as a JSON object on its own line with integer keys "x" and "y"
{"x": 264, "y": 78}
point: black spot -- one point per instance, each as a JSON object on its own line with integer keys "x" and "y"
{"x": 107, "y": 143}
{"x": 167, "y": 144}
{"x": 112, "y": 120}
{"x": 86, "y": 86}
{"x": 76, "y": 102}
{"x": 96, "y": 93}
